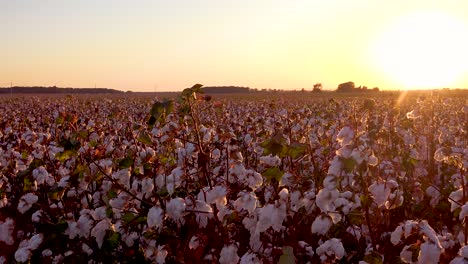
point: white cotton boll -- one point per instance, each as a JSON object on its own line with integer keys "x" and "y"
{"x": 380, "y": 192}
{"x": 205, "y": 212}
{"x": 86, "y": 249}
{"x": 35, "y": 241}
{"x": 64, "y": 182}
{"x": 47, "y": 253}
{"x": 429, "y": 253}
{"x": 6, "y": 231}
{"x": 325, "y": 199}
{"x": 248, "y": 139}
{"x": 321, "y": 225}
{"x": 287, "y": 180}
{"x": 270, "y": 160}
{"x": 215, "y": 154}
{"x": 250, "y": 258}
{"x": 99, "y": 231}
{"x": 406, "y": 254}
{"x": 161, "y": 255}
{"x": 308, "y": 249}
{"x": 335, "y": 166}
{"x": 430, "y": 233}
{"x": 22, "y": 254}
{"x": 175, "y": 208}
{"x": 155, "y": 217}
{"x": 130, "y": 239}
{"x": 26, "y": 202}
{"x": 147, "y": 187}
{"x": 345, "y": 136}
{"x": 216, "y": 195}
{"x": 254, "y": 180}
{"x": 194, "y": 242}
{"x": 41, "y": 175}
{"x": 464, "y": 211}
{"x": 332, "y": 247}
{"x": 123, "y": 177}
{"x": 99, "y": 213}
{"x": 454, "y": 198}
{"x": 246, "y": 201}
{"x": 284, "y": 194}
{"x": 229, "y": 255}
{"x": 344, "y": 152}
{"x": 395, "y": 237}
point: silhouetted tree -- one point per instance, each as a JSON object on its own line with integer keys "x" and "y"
{"x": 317, "y": 87}
{"x": 346, "y": 87}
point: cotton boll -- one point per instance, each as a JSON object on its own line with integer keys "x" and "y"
{"x": 429, "y": 253}
{"x": 175, "y": 208}
{"x": 22, "y": 254}
{"x": 246, "y": 201}
{"x": 229, "y": 255}
{"x": 325, "y": 199}
{"x": 321, "y": 225}
{"x": 99, "y": 231}
{"x": 6, "y": 231}
{"x": 406, "y": 254}
{"x": 155, "y": 217}
{"x": 396, "y": 235}
{"x": 86, "y": 249}
{"x": 331, "y": 248}
{"x": 26, "y": 202}
{"x": 250, "y": 258}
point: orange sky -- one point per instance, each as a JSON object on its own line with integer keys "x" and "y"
{"x": 169, "y": 45}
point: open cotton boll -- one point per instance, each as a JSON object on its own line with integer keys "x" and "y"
{"x": 6, "y": 231}
{"x": 321, "y": 225}
{"x": 246, "y": 201}
{"x": 325, "y": 199}
{"x": 26, "y": 202}
{"x": 250, "y": 258}
{"x": 429, "y": 253}
{"x": 331, "y": 248}
{"x": 99, "y": 231}
{"x": 175, "y": 209}
{"x": 345, "y": 136}
{"x": 270, "y": 160}
{"x": 41, "y": 175}
{"x": 380, "y": 192}
{"x": 229, "y": 255}
{"x": 155, "y": 217}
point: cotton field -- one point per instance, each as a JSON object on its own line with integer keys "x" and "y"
{"x": 378, "y": 178}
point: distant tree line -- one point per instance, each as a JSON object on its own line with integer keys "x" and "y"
{"x": 56, "y": 90}
{"x": 350, "y": 87}
{"x": 226, "y": 89}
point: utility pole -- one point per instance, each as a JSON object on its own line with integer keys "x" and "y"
{"x": 11, "y": 89}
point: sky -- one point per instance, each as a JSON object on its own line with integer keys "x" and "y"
{"x": 170, "y": 45}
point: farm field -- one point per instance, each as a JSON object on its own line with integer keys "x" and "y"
{"x": 264, "y": 178}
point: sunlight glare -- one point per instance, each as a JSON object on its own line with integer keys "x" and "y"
{"x": 423, "y": 50}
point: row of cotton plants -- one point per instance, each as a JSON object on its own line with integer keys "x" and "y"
{"x": 248, "y": 180}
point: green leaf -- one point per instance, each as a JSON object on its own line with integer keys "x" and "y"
{"x": 295, "y": 150}
{"x": 125, "y": 163}
{"x": 65, "y": 155}
{"x": 288, "y": 256}
{"x": 112, "y": 194}
{"x": 272, "y": 146}
{"x": 273, "y": 173}
{"x": 373, "y": 258}
{"x": 112, "y": 241}
{"x": 128, "y": 217}
{"x": 59, "y": 120}
{"x": 349, "y": 164}
{"x": 366, "y": 201}
{"x": 145, "y": 139}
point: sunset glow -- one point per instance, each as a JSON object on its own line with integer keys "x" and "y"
{"x": 169, "y": 45}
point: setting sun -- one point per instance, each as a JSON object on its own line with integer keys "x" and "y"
{"x": 423, "y": 50}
